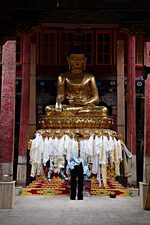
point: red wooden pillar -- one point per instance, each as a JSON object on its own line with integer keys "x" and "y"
{"x": 146, "y": 171}
{"x": 131, "y": 108}
{"x": 7, "y": 120}
{"x": 32, "y": 110}
{"x": 24, "y": 114}
{"x": 120, "y": 90}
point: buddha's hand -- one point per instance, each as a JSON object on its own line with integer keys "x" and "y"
{"x": 60, "y": 99}
{"x": 80, "y": 101}
{"x": 58, "y": 107}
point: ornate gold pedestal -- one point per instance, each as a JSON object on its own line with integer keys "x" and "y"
{"x": 82, "y": 122}
{"x": 76, "y": 122}
{"x": 76, "y": 118}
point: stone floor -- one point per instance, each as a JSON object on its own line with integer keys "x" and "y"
{"x": 44, "y": 210}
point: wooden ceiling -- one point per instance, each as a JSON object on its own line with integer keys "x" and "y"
{"x": 23, "y": 14}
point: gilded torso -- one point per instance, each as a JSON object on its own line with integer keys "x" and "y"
{"x": 78, "y": 88}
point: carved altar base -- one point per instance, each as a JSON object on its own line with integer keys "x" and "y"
{"x": 67, "y": 120}
{"x": 80, "y": 125}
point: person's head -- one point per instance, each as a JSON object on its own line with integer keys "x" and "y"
{"x": 77, "y": 58}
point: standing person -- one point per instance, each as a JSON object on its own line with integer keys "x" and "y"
{"x": 75, "y": 169}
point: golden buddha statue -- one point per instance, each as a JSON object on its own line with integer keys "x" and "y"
{"x": 76, "y": 90}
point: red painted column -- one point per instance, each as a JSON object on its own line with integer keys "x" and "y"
{"x": 7, "y": 119}
{"x": 24, "y": 115}
{"x": 146, "y": 171}
{"x": 120, "y": 90}
{"x": 32, "y": 110}
{"x": 131, "y": 108}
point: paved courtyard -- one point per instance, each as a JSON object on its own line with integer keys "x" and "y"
{"x": 47, "y": 210}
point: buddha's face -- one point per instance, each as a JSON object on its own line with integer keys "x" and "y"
{"x": 77, "y": 61}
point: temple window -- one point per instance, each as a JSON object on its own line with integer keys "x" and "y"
{"x": 67, "y": 40}
{"x": 88, "y": 41}
{"x": 65, "y": 44}
{"x": 103, "y": 47}
{"x": 49, "y": 47}
{"x": 54, "y": 45}
{"x": 139, "y": 49}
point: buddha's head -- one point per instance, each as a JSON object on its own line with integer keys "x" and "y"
{"x": 77, "y": 59}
